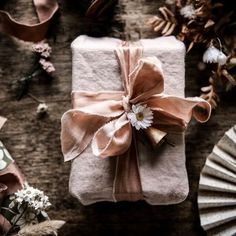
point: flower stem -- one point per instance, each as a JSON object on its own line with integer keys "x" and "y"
{"x": 34, "y": 98}
{"x": 14, "y": 224}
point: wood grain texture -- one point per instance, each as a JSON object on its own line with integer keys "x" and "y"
{"x": 35, "y": 144}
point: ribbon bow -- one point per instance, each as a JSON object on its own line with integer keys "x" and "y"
{"x": 104, "y": 120}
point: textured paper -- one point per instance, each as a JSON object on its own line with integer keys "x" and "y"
{"x": 217, "y": 188}
{"x": 163, "y": 173}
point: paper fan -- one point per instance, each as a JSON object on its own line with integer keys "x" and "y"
{"x": 217, "y": 188}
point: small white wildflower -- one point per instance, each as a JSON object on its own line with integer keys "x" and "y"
{"x": 42, "y": 108}
{"x": 33, "y": 197}
{"x": 211, "y": 55}
{"x": 188, "y": 11}
{"x": 141, "y": 116}
{"x": 222, "y": 58}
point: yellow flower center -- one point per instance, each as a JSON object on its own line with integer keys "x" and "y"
{"x": 139, "y": 116}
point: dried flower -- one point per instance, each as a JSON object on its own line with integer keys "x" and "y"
{"x": 222, "y": 58}
{"x": 211, "y": 55}
{"x": 43, "y": 49}
{"x": 33, "y": 197}
{"x": 169, "y": 2}
{"x": 214, "y": 55}
{"x": 42, "y": 108}
{"x": 47, "y": 65}
{"x": 141, "y": 116}
{"x": 188, "y": 11}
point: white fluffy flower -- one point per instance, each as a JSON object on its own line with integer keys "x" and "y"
{"x": 211, "y": 55}
{"x": 141, "y": 116}
{"x": 188, "y": 11}
{"x": 35, "y": 198}
{"x": 42, "y": 108}
{"x": 214, "y": 55}
{"x": 222, "y": 58}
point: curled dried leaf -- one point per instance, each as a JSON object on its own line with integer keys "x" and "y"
{"x": 209, "y": 94}
{"x": 209, "y": 23}
{"x": 229, "y": 77}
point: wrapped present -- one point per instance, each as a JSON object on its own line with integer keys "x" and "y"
{"x": 125, "y": 133}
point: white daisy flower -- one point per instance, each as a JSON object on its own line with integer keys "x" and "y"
{"x": 140, "y": 116}
{"x": 188, "y": 11}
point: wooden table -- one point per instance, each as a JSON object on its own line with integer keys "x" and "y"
{"x": 35, "y": 143}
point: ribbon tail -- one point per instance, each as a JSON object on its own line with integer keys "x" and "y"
{"x": 127, "y": 183}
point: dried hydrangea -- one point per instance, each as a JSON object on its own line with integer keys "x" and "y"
{"x": 33, "y": 197}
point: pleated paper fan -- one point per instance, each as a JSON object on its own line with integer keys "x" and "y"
{"x": 217, "y": 188}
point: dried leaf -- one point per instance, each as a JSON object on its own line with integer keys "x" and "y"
{"x": 164, "y": 23}
{"x": 45, "y": 228}
{"x": 209, "y": 94}
{"x": 209, "y": 23}
{"x": 190, "y": 46}
{"x": 170, "y": 30}
{"x": 229, "y": 77}
{"x": 159, "y": 26}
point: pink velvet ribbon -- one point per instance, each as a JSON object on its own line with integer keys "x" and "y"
{"x": 100, "y": 118}
{"x": 45, "y": 9}
{"x": 11, "y": 180}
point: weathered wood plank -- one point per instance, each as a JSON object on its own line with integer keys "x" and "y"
{"x": 35, "y": 144}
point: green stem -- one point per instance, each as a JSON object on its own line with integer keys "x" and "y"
{"x": 14, "y": 224}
